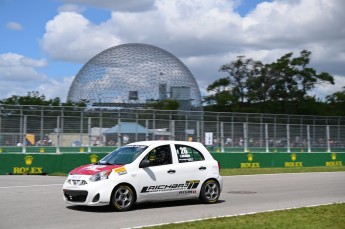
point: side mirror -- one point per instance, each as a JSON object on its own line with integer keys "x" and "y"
{"x": 144, "y": 164}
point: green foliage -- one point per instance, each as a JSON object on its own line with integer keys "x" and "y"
{"x": 167, "y": 104}
{"x": 278, "y": 87}
{"x": 336, "y": 102}
{"x": 34, "y": 98}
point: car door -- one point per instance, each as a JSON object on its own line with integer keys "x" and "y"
{"x": 192, "y": 169}
{"x": 159, "y": 180}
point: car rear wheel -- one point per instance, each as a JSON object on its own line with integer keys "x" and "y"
{"x": 210, "y": 192}
{"x": 123, "y": 198}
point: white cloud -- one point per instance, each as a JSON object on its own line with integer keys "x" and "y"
{"x": 56, "y": 88}
{"x": 14, "y": 25}
{"x": 207, "y": 34}
{"x": 19, "y": 75}
{"x": 72, "y": 37}
{"x": 17, "y": 68}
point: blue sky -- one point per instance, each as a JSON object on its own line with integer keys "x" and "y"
{"x": 44, "y": 43}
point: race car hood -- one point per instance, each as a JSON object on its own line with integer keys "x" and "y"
{"x": 92, "y": 169}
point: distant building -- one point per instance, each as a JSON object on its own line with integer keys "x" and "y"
{"x": 130, "y": 75}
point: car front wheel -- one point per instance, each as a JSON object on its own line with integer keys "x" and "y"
{"x": 210, "y": 192}
{"x": 123, "y": 198}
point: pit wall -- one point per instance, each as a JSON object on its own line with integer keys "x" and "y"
{"x": 52, "y": 163}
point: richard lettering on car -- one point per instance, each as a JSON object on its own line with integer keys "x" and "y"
{"x": 146, "y": 171}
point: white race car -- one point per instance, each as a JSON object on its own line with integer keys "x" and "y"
{"x": 146, "y": 171}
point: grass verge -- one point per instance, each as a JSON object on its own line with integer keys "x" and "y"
{"x": 328, "y": 216}
{"x": 250, "y": 171}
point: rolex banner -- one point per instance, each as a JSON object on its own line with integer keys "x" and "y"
{"x": 39, "y": 164}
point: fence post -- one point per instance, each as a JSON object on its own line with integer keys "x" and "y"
{"x": 288, "y": 138}
{"x": 198, "y": 131}
{"x": 328, "y": 139}
{"x": 119, "y": 142}
{"x": 89, "y": 134}
{"x": 186, "y": 128}
{"x": 173, "y": 129}
{"x": 147, "y": 129}
{"x": 42, "y": 125}
{"x": 24, "y": 134}
{"x": 222, "y": 137}
{"x": 308, "y": 138}
{"x": 245, "y": 136}
{"x": 58, "y": 135}
{"x": 266, "y": 138}
{"x": 100, "y": 137}
{"x": 81, "y": 127}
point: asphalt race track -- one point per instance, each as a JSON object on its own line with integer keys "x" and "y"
{"x": 36, "y": 201}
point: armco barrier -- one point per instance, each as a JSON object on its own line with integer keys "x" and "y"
{"x": 44, "y": 163}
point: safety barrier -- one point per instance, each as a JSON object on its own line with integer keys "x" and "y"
{"x": 47, "y": 163}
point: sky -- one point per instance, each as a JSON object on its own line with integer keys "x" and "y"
{"x": 44, "y": 43}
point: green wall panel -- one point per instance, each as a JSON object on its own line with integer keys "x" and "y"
{"x": 45, "y": 163}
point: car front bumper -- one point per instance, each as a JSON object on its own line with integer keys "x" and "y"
{"x": 79, "y": 190}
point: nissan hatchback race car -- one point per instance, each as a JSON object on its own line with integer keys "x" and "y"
{"x": 146, "y": 171}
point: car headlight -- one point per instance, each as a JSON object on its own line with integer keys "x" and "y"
{"x": 100, "y": 176}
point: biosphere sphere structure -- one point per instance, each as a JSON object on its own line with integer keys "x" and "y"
{"x": 133, "y": 74}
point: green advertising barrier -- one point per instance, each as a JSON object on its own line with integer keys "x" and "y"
{"x": 280, "y": 160}
{"x": 44, "y": 163}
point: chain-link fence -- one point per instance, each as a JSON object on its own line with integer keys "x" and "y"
{"x": 227, "y": 132}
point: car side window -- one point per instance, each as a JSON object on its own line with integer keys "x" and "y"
{"x": 188, "y": 154}
{"x": 159, "y": 156}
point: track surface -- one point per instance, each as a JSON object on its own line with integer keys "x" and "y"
{"x": 36, "y": 201}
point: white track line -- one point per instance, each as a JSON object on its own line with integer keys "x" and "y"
{"x": 31, "y": 186}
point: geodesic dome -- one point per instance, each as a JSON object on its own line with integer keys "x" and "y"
{"x": 134, "y": 74}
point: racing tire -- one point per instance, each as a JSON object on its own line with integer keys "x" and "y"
{"x": 123, "y": 198}
{"x": 210, "y": 192}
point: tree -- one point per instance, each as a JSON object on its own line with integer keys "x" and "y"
{"x": 35, "y": 98}
{"x": 167, "y": 104}
{"x": 239, "y": 71}
{"x": 292, "y": 80}
{"x": 32, "y": 98}
{"x": 282, "y": 86}
{"x": 231, "y": 91}
{"x": 306, "y": 77}
{"x": 337, "y": 101}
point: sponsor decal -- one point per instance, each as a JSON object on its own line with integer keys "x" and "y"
{"x": 192, "y": 184}
{"x": 334, "y": 162}
{"x": 250, "y": 164}
{"x": 293, "y": 162}
{"x": 121, "y": 170}
{"x": 186, "y": 192}
{"x": 28, "y": 170}
{"x": 95, "y": 168}
{"x": 93, "y": 158}
{"x": 183, "y": 152}
{"x": 92, "y": 169}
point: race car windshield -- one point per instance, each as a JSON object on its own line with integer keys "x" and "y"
{"x": 123, "y": 155}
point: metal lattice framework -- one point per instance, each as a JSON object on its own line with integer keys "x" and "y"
{"x": 134, "y": 74}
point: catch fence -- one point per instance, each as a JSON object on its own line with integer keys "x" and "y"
{"x": 58, "y": 127}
